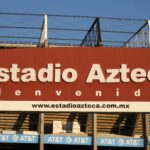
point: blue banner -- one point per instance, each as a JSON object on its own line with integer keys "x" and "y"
{"x": 72, "y": 140}
{"x": 68, "y": 140}
{"x": 18, "y": 138}
{"x": 121, "y": 142}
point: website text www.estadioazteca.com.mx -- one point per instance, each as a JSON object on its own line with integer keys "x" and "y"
{"x": 80, "y": 106}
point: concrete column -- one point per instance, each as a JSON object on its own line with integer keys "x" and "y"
{"x": 41, "y": 131}
{"x": 44, "y": 33}
{"x": 94, "y": 125}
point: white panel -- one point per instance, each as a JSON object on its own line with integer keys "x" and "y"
{"x": 78, "y": 106}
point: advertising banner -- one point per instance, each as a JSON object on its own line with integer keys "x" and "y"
{"x": 71, "y": 140}
{"x": 75, "y": 79}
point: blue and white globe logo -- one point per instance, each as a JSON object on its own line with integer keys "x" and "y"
{"x": 15, "y": 138}
{"x": 120, "y": 142}
{"x": 68, "y": 140}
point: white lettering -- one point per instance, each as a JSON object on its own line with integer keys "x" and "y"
{"x": 17, "y": 92}
{"x": 138, "y": 75}
{"x": 57, "y": 73}
{"x": 113, "y": 73}
{"x": 55, "y": 139}
{"x": 98, "y": 93}
{"x": 38, "y": 93}
{"x": 46, "y": 74}
{"x": 137, "y": 93}
{"x": 78, "y": 93}
{"x": 4, "y": 77}
{"x": 69, "y": 75}
{"x": 54, "y": 73}
{"x": 29, "y": 75}
{"x": 95, "y": 73}
{"x": 4, "y": 137}
{"x": 117, "y": 92}
{"x": 124, "y": 71}
{"x": 14, "y": 73}
{"x": 58, "y": 93}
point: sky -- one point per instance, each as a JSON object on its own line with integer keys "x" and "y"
{"x": 102, "y": 8}
{"x": 132, "y": 9}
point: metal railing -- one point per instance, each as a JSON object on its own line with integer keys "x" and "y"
{"x": 93, "y": 36}
{"x": 67, "y": 30}
{"x": 141, "y": 38}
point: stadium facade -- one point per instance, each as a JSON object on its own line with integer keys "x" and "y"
{"x": 57, "y": 129}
